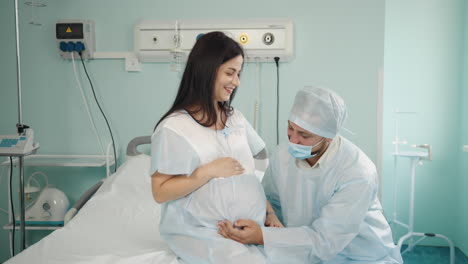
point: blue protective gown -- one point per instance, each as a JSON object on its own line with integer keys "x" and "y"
{"x": 189, "y": 224}
{"x": 331, "y": 211}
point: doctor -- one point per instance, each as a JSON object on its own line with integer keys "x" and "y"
{"x": 324, "y": 190}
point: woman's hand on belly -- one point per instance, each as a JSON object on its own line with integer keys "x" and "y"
{"x": 221, "y": 168}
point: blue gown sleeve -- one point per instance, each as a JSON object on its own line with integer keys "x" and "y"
{"x": 338, "y": 224}
{"x": 172, "y": 154}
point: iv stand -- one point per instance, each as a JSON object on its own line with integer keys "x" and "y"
{"x": 397, "y": 142}
{"x": 415, "y": 158}
{"x": 19, "y": 126}
{"x": 21, "y": 130}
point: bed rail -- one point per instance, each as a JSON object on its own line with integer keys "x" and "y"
{"x": 134, "y": 143}
{"x": 83, "y": 199}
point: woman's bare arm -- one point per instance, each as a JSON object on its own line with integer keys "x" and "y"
{"x": 167, "y": 187}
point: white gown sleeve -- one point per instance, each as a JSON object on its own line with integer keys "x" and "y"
{"x": 256, "y": 143}
{"x": 271, "y": 190}
{"x": 172, "y": 154}
{"x": 338, "y": 224}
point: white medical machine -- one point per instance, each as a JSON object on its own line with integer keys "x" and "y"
{"x": 48, "y": 209}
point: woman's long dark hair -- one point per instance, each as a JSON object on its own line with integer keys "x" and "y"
{"x": 196, "y": 90}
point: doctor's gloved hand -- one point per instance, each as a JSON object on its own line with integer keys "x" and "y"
{"x": 222, "y": 168}
{"x": 243, "y": 231}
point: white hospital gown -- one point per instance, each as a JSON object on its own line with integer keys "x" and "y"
{"x": 189, "y": 224}
{"x": 331, "y": 211}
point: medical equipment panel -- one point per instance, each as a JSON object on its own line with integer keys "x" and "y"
{"x": 18, "y": 145}
{"x": 75, "y": 35}
{"x": 262, "y": 40}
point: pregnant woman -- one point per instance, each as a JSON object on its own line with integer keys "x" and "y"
{"x": 202, "y": 159}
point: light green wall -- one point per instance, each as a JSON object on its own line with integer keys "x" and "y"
{"x": 338, "y": 44}
{"x": 463, "y": 182}
{"x": 423, "y": 62}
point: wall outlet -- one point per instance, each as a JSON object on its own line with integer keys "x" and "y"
{"x": 132, "y": 63}
{"x": 73, "y": 31}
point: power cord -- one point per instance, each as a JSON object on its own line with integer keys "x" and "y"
{"x": 102, "y": 112}
{"x": 85, "y": 101}
{"x": 12, "y": 210}
{"x": 277, "y": 99}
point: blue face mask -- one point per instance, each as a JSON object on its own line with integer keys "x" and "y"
{"x": 301, "y": 151}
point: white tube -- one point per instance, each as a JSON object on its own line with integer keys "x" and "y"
{"x": 93, "y": 125}
{"x": 451, "y": 245}
{"x": 395, "y": 187}
{"x": 257, "y": 97}
{"x": 414, "y": 161}
{"x": 39, "y": 173}
{"x": 107, "y": 159}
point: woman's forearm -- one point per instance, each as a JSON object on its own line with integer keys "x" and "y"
{"x": 171, "y": 187}
{"x": 167, "y": 187}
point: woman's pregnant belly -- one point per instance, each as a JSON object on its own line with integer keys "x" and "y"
{"x": 233, "y": 198}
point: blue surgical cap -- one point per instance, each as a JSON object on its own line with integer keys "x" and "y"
{"x": 319, "y": 111}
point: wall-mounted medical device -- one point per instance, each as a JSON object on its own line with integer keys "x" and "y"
{"x": 75, "y": 36}
{"x": 262, "y": 40}
{"x": 18, "y": 145}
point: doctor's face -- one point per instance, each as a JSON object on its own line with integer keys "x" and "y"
{"x": 227, "y": 79}
{"x": 300, "y": 136}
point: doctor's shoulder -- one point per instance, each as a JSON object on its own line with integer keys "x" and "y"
{"x": 353, "y": 161}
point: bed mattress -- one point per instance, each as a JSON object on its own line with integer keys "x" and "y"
{"x": 119, "y": 224}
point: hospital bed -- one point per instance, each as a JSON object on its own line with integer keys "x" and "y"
{"x": 119, "y": 224}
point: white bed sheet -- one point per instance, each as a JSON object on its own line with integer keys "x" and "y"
{"x": 118, "y": 225}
